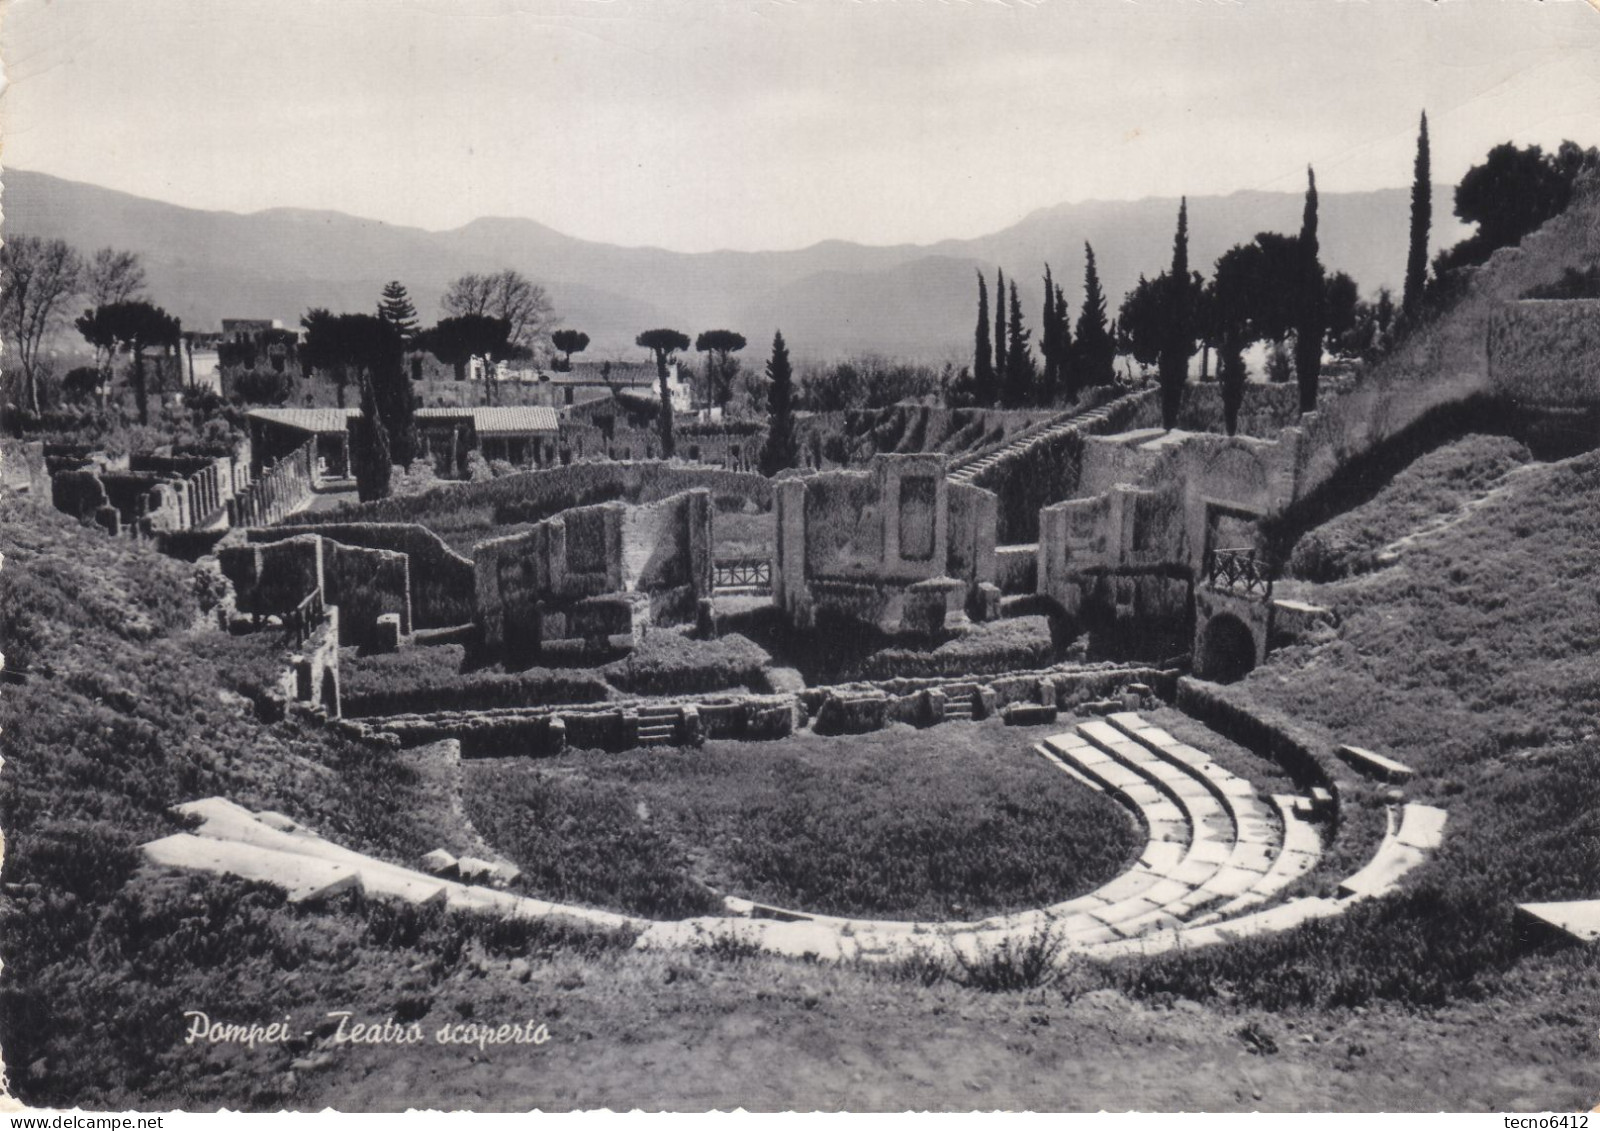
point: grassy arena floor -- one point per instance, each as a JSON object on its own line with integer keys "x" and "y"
{"x": 956, "y": 821}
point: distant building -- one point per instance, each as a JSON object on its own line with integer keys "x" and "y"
{"x": 521, "y": 435}
{"x": 257, "y": 343}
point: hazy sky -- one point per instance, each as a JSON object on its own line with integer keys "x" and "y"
{"x": 774, "y": 123}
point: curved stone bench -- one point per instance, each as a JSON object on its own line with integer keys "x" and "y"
{"x": 1232, "y": 843}
{"x": 1131, "y": 915}
{"x": 1419, "y": 830}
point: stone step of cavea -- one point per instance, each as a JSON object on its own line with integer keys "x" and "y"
{"x": 1233, "y": 847}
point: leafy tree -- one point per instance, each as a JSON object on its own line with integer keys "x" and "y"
{"x": 396, "y": 309}
{"x": 1020, "y": 372}
{"x": 1310, "y": 320}
{"x": 1510, "y": 195}
{"x": 569, "y": 342}
{"x": 1095, "y": 352}
{"x": 1341, "y": 300}
{"x": 983, "y": 350}
{"x": 722, "y": 366}
{"x": 664, "y": 343}
{"x": 781, "y": 449}
{"x": 1141, "y": 321}
{"x": 368, "y": 350}
{"x": 1230, "y": 298}
{"x": 1421, "y": 221}
{"x": 134, "y": 327}
{"x": 113, "y": 276}
{"x": 82, "y": 384}
{"x": 1000, "y": 338}
{"x": 1176, "y": 334}
{"x": 507, "y": 294}
{"x": 456, "y": 341}
{"x": 38, "y": 280}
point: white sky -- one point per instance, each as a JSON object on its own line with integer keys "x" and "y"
{"x": 774, "y": 123}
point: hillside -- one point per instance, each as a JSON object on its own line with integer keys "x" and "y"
{"x": 830, "y": 299}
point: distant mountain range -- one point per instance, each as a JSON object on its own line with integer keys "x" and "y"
{"x": 832, "y": 299}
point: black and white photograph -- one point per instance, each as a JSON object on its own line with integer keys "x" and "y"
{"x": 800, "y": 555}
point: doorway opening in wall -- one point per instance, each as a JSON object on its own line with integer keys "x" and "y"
{"x": 1227, "y": 650}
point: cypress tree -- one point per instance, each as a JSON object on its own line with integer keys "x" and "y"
{"x": 983, "y": 359}
{"x": 371, "y": 448}
{"x": 1064, "y": 379}
{"x": 1000, "y": 369}
{"x": 781, "y": 450}
{"x": 1096, "y": 352}
{"x": 1048, "y": 339}
{"x": 1177, "y": 339}
{"x": 1019, "y": 360}
{"x": 1309, "y": 328}
{"x": 1421, "y": 221}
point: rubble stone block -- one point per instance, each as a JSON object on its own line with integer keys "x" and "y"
{"x": 386, "y": 636}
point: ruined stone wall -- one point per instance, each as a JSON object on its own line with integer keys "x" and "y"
{"x": 273, "y": 578}
{"x": 667, "y": 553}
{"x": 23, "y": 471}
{"x": 843, "y": 525}
{"x": 365, "y": 584}
{"x": 972, "y": 524}
{"x": 885, "y": 546}
{"x": 1546, "y": 352}
{"x": 600, "y": 571}
{"x": 443, "y": 584}
{"x": 282, "y": 488}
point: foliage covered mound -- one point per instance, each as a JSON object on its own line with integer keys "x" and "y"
{"x": 1434, "y": 487}
{"x": 113, "y": 711}
{"x": 954, "y": 822}
{"x": 1473, "y": 659}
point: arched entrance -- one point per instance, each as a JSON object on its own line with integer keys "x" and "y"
{"x": 1227, "y": 650}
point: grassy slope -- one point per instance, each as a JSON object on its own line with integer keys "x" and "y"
{"x": 1433, "y": 488}
{"x": 954, "y": 821}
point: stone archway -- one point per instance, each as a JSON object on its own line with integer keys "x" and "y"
{"x": 1227, "y": 649}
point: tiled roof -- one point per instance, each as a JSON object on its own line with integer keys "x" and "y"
{"x": 497, "y": 421}
{"x": 307, "y": 419}
{"x": 508, "y": 420}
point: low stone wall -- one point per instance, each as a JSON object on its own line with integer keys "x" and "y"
{"x": 846, "y": 708}
{"x": 1263, "y": 731}
{"x": 546, "y": 731}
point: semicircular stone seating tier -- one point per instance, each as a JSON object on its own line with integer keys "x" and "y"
{"x": 1215, "y": 851}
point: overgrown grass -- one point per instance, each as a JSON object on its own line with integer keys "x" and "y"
{"x": 1433, "y": 487}
{"x": 955, "y": 822}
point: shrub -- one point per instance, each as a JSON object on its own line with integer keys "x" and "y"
{"x": 1014, "y": 963}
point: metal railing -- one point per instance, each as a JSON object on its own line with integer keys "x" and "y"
{"x": 1240, "y": 570}
{"x": 743, "y": 573}
{"x": 300, "y": 621}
